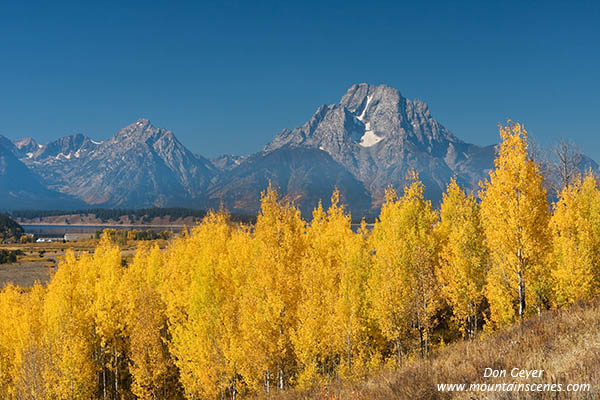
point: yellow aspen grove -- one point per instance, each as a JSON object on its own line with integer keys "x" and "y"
{"x": 273, "y": 291}
{"x": 576, "y": 237}
{"x": 319, "y": 326}
{"x": 357, "y": 340}
{"x": 177, "y": 278}
{"x": 203, "y": 319}
{"x": 463, "y": 257}
{"x": 229, "y": 311}
{"x": 109, "y": 317}
{"x": 404, "y": 293}
{"x": 70, "y": 333}
{"x": 236, "y": 351}
{"x": 10, "y": 299}
{"x": 32, "y": 353}
{"x": 515, "y": 215}
{"x": 196, "y": 352}
{"x": 13, "y": 332}
{"x": 152, "y": 369}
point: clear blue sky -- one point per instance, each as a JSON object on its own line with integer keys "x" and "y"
{"x": 227, "y": 77}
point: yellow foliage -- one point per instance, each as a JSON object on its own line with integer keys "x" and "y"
{"x": 515, "y": 215}
{"x": 23, "y": 356}
{"x": 463, "y": 257}
{"x": 331, "y": 314}
{"x": 152, "y": 367}
{"x": 228, "y": 310}
{"x": 273, "y": 291}
{"x": 576, "y": 228}
{"x": 403, "y": 289}
{"x": 70, "y": 330}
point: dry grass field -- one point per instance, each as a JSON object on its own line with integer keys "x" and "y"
{"x": 565, "y": 344}
{"x": 26, "y": 273}
{"x": 40, "y": 260}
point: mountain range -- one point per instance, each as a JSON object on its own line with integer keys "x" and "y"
{"x": 367, "y": 141}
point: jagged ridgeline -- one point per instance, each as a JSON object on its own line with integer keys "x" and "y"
{"x": 9, "y": 229}
{"x": 368, "y": 140}
{"x": 360, "y": 145}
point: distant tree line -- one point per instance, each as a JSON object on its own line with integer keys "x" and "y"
{"x": 142, "y": 214}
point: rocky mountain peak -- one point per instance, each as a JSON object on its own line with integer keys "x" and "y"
{"x": 141, "y": 165}
{"x": 65, "y": 147}
{"x": 361, "y": 97}
{"x": 378, "y": 135}
{"x": 142, "y": 131}
{"x": 140, "y": 128}
{"x": 387, "y": 114}
{"x": 27, "y": 145}
{"x": 369, "y": 117}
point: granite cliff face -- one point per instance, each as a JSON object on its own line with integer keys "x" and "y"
{"x": 378, "y": 136}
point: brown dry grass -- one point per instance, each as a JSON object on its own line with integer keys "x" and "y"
{"x": 26, "y": 273}
{"x": 564, "y": 343}
{"x": 40, "y": 260}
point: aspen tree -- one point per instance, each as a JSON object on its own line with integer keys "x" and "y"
{"x": 195, "y": 331}
{"x": 463, "y": 257}
{"x": 204, "y": 322}
{"x": 576, "y": 237}
{"x": 273, "y": 292}
{"x": 403, "y": 286}
{"x": 315, "y": 339}
{"x": 70, "y": 334}
{"x": 238, "y": 259}
{"x": 10, "y": 310}
{"x": 33, "y": 355}
{"x": 153, "y": 371}
{"x": 515, "y": 215}
{"x": 109, "y": 315}
{"x": 356, "y": 337}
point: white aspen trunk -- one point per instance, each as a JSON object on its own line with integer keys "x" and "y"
{"x": 281, "y": 379}
{"x": 476, "y": 322}
{"x": 268, "y": 382}
{"x": 116, "y": 357}
{"x": 521, "y": 282}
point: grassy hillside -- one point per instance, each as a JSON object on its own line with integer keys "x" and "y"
{"x": 9, "y": 229}
{"x": 564, "y": 343}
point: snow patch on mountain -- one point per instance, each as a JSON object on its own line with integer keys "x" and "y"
{"x": 370, "y": 138}
{"x": 361, "y": 117}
